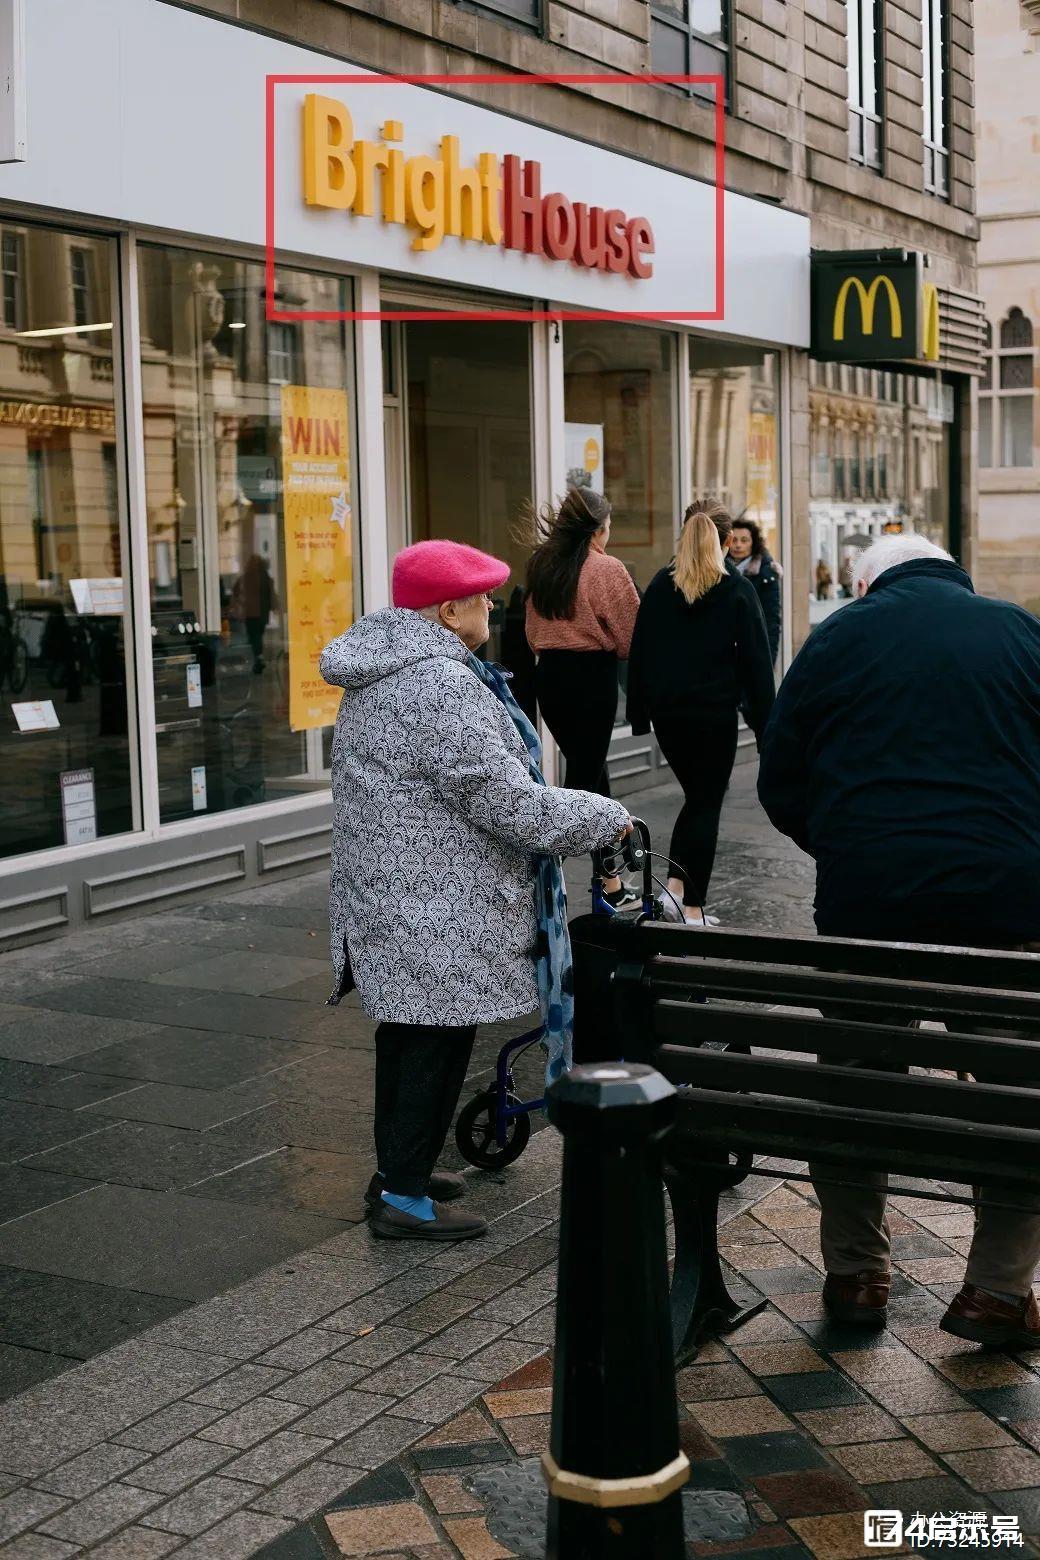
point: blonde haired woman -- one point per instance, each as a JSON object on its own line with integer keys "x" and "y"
{"x": 699, "y": 651}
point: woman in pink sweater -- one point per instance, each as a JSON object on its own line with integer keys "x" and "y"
{"x": 581, "y": 610}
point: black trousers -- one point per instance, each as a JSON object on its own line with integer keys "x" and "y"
{"x": 420, "y": 1070}
{"x": 577, "y": 695}
{"x": 701, "y": 756}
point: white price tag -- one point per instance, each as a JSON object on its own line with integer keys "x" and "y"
{"x": 78, "y": 806}
{"x": 195, "y": 688}
{"x": 198, "y": 788}
{"x": 37, "y": 715}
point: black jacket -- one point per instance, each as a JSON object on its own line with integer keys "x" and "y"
{"x": 700, "y": 661}
{"x": 903, "y": 753}
{"x": 763, "y": 574}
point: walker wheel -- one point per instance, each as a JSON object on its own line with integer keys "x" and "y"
{"x": 475, "y": 1133}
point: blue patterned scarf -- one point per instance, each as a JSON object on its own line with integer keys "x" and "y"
{"x": 553, "y": 957}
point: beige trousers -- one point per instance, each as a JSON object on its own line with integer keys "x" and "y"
{"x": 854, "y": 1233}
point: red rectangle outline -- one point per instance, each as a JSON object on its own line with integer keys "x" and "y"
{"x": 608, "y": 79}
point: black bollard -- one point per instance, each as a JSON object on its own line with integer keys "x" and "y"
{"x": 614, "y": 1469}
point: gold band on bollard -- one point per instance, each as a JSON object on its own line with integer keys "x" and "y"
{"x": 643, "y": 1489}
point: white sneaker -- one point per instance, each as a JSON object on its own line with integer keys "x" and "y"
{"x": 704, "y": 920}
{"x": 670, "y": 911}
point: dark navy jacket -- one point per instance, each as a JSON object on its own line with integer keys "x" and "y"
{"x": 903, "y": 753}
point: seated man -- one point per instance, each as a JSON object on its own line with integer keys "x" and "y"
{"x": 447, "y": 903}
{"x": 903, "y": 754}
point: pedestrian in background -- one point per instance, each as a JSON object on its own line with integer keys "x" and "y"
{"x": 904, "y": 755}
{"x": 581, "y": 610}
{"x": 756, "y": 563}
{"x": 699, "y": 653}
{"x": 446, "y": 906}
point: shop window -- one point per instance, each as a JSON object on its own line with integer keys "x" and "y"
{"x": 65, "y": 752}
{"x": 865, "y": 33}
{"x": 691, "y": 38}
{"x": 935, "y": 49}
{"x": 890, "y": 473}
{"x": 1007, "y": 395}
{"x": 467, "y": 396}
{"x": 248, "y": 471}
{"x": 734, "y": 440}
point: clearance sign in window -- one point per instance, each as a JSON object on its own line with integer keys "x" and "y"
{"x": 498, "y": 201}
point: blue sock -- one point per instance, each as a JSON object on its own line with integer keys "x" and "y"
{"x": 418, "y": 1207}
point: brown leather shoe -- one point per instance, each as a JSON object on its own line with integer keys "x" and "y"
{"x": 449, "y": 1224}
{"x": 982, "y": 1318}
{"x": 860, "y": 1298}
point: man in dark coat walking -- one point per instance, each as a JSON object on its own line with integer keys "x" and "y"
{"x": 903, "y": 754}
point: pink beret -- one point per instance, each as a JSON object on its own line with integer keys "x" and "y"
{"x": 428, "y": 573}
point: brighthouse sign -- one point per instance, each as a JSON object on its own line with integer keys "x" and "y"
{"x": 873, "y": 308}
{"x": 495, "y": 200}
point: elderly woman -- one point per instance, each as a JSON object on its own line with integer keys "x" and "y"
{"x": 447, "y": 903}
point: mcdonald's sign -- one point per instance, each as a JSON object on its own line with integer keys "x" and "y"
{"x": 873, "y": 307}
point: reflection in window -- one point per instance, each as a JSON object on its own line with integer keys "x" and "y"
{"x": 1007, "y": 395}
{"x": 734, "y": 441}
{"x": 880, "y": 450}
{"x": 82, "y": 271}
{"x": 63, "y": 610}
{"x": 865, "y": 32}
{"x": 231, "y": 404}
{"x": 691, "y": 38}
{"x": 13, "y": 274}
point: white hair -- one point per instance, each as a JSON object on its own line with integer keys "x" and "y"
{"x": 889, "y": 552}
{"x": 434, "y": 613}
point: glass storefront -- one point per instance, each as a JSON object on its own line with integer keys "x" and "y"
{"x": 619, "y": 403}
{"x": 470, "y": 448}
{"x": 246, "y": 446}
{"x": 735, "y": 432}
{"x": 880, "y": 452}
{"x": 243, "y": 418}
{"x": 67, "y": 771}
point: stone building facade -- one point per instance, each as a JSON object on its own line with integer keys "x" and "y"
{"x": 161, "y": 613}
{"x": 787, "y": 130}
{"x": 1009, "y": 280}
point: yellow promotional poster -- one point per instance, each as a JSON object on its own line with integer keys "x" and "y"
{"x": 761, "y": 466}
{"x": 319, "y": 594}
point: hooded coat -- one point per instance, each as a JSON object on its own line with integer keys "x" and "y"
{"x": 436, "y": 822}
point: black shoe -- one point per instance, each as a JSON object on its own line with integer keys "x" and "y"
{"x": 622, "y": 899}
{"x": 389, "y": 1223}
{"x": 444, "y": 1187}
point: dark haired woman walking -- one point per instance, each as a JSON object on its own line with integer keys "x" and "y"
{"x": 756, "y": 563}
{"x": 581, "y": 610}
{"x": 699, "y": 653}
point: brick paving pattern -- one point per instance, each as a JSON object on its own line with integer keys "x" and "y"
{"x": 205, "y": 1354}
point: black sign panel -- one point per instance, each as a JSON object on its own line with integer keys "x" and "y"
{"x": 865, "y": 309}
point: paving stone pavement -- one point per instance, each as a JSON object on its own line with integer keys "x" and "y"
{"x": 179, "y": 1112}
{"x": 202, "y": 1347}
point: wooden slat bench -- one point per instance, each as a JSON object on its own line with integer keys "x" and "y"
{"x": 702, "y": 1007}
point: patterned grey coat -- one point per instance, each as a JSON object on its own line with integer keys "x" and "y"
{"x": 436, "y": 819}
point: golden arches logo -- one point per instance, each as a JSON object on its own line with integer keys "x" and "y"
{"x": 930, "y": 328}
{"x": 867, "y": 302}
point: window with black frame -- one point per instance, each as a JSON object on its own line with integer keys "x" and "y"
{"x": 935, "y": 69}
{"x": 691, "y": 38}
{"x": 527, "y": 12}
{"x": 865, "y": 88}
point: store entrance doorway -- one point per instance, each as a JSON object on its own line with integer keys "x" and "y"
{"x": 459, "y": 452}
